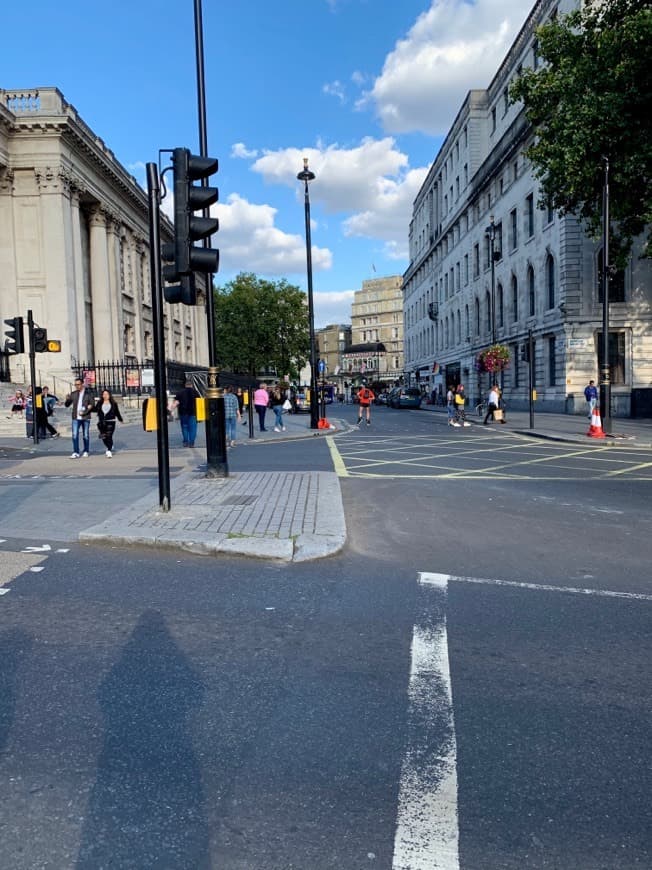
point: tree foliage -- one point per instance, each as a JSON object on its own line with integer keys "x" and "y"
{"x": 591, "y": 99}
{"x": 261, "y": 324}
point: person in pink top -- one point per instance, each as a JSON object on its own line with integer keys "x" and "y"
{"x": 261, "y": 403}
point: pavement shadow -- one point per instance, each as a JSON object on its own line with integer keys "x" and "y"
{"x": 15, "y": 646}
{"x": 147, "y": 805}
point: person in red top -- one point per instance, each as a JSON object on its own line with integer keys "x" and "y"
{"x": 365, "y": 398}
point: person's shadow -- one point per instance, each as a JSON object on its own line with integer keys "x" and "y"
{"x": 147, "y": 808}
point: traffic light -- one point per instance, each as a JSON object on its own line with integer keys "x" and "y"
{"x": 188, "y": 227}
{"x": 14, "y": 342}
{"x": 185, "y": 292}
{"x": 40, "y": 339}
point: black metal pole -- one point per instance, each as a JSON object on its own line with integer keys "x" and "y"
{"x": 32, "y": 372}
{"x": 162, "y": 443}
{"x": 492, "y": 238}
{"x": 530, "y": 354}
{"x": 307, "y": 176}
{"x": 605, "y": 373}
{"x": 215, "y": 425}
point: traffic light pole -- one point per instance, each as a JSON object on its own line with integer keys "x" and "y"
{"x": 216, "y": 461}
{"x": 32, "y": 372}
{"x": 162, "y": 442}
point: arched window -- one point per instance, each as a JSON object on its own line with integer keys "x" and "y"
{"x": 459, "y": 327}
{"x": 477, "y": 316}
{"x": 447, "y": 334}
{"x": 467, "y": 326}
{"x": 487, "y": 302}
{"x": 514, "y": 299}
{"x": 530, "y": 291}
{"x": 500, "y": 307}
{"x": 550, "y": 280}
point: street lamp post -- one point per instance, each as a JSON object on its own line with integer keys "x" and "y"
{"x": 306, "y": 175}
{"x": 605, "y": 374}
{"x": 490, "y": 232}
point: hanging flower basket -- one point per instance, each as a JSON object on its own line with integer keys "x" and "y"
{"x": 493, "y": 359}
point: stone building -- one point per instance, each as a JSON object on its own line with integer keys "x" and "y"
{"x": 332, "y": 342}
{"x": 74, "y": 242}
{"x": 376, "y": 353}
{"x": 544, "y": 278}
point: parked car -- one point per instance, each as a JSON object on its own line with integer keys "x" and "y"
{"x": 381, "y": 398}
{"x": 405, "y": 397}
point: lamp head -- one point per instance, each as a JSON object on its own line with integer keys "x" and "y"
{"x": 306, "y": 175}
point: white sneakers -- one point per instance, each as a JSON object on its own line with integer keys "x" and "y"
{"x": 74, "y": 455}
{"x": 453, "y": 423}
{"x": 108, "y": 454}
{"x": 85, "y": 455}
{"x": 276, "y": 429}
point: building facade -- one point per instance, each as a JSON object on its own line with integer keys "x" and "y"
{"x": 544, "y": 279}
{"x": 376, "y": 353}
{"x": 74, "y": 242}
{"x": 332, "y": 342}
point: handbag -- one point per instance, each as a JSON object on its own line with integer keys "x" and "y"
{"x": 498, "y": 414}
{"x": 287, "y": 405}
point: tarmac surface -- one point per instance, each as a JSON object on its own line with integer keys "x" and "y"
{"x": 287, "y": 516}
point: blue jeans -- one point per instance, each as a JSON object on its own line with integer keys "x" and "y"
{"x": 85, "y": 426}
{"x": 278, "y": 411}
{"x": 188, "y": 429}
{"x": 230, "y": 429}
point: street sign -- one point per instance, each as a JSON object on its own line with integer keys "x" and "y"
{"x": 321, "y": 366}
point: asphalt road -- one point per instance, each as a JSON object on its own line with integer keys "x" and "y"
{"x": 169, "y": 711}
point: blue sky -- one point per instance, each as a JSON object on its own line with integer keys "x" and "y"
{"x": 364, "y": 88}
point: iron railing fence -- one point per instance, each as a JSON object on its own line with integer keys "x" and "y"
{"x": 125, "y": 377}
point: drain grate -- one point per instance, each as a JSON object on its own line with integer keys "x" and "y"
{"x": 239, "y": 499}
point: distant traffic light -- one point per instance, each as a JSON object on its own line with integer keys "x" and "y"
{"x": 39, "y": 339}
{"x": 189, "y": 198}
{"x": 14, "y": 342}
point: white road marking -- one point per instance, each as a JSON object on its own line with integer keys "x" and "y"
{"x": 439, "y": 579}
{"x": 44, "y": 548}
{"x": 427, "y": 830}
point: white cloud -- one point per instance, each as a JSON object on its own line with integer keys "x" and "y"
{"x": 250, "y": 242}
{"x": 370, "y": 185}
{"x": 452, "y": 48}
{"x": 239, "y": 150}
{"x": 332, "y": 307}
{"x": 335, "y": 89}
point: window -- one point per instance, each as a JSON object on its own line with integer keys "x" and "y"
{"x": 477, "y": 316}
{"x": 550, "y": 212}
{"x": 617, "y": 371}
{"x": 476, "y": 260}
{"x": 513, "y": 230}
{"x": 552, "y": 365}
{"x": 535, "y": 54}
{"x": 466, "y": 174}
{"x": 487, "y": 302}
{"x": 466, "y": 269}
{"x": 550, "y": 280}
{"x": 530, "y": 291}
{"x": 514, "y": 299}
{"x": 616, "y": 282}
{"x": 515, "y": 170}
{"x": 467, "y": 327}
{"x": 529, "y": 216}
{"x": 500, "y": 310}
{"x": 465, "y": 134}
{"x": 493, "y": 120}
{"x": 458, "y": 282}
{"x": 505, "y": 100}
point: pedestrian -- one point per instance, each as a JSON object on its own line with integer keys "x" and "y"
{"x": 261, "y": 403}
{"x": 44, "y": 410}
{"x": 460, "y": 407}
{"x": 29, "y": 414}
{"x": 108, "y": 414}
{"x": 186, "y": 403}
{"x": 231, "y": 414}
{"x": 591, "y": 396}
{"x": 82, "y": 401}
{"x": 365, "y": 398}
{"x": 492, "y": 404}
{"x": 450, "y": 406}
{"x": 18, "y": 402}
{"x": 277, "y": 400}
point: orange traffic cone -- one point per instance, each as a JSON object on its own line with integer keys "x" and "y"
{"x": 323, "y": 424}
{"x": 595, "y": 429}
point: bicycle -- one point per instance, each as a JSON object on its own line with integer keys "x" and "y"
{"x": 481, "y": 409}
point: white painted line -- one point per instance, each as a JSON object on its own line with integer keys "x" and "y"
{"x": 444, "y": 579}
{"x": 427, "y": 830}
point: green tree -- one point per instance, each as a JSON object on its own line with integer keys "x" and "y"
{"x": 591, "y": 99}
{"x": 261, "y": 324}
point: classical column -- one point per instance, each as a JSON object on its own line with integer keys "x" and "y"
{"x": 100, "y": 286}
{"x": 78, "y": 339}
{"x": 114, "y": 243}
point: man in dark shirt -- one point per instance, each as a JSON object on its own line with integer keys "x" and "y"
{"x": 186, "y": 402}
